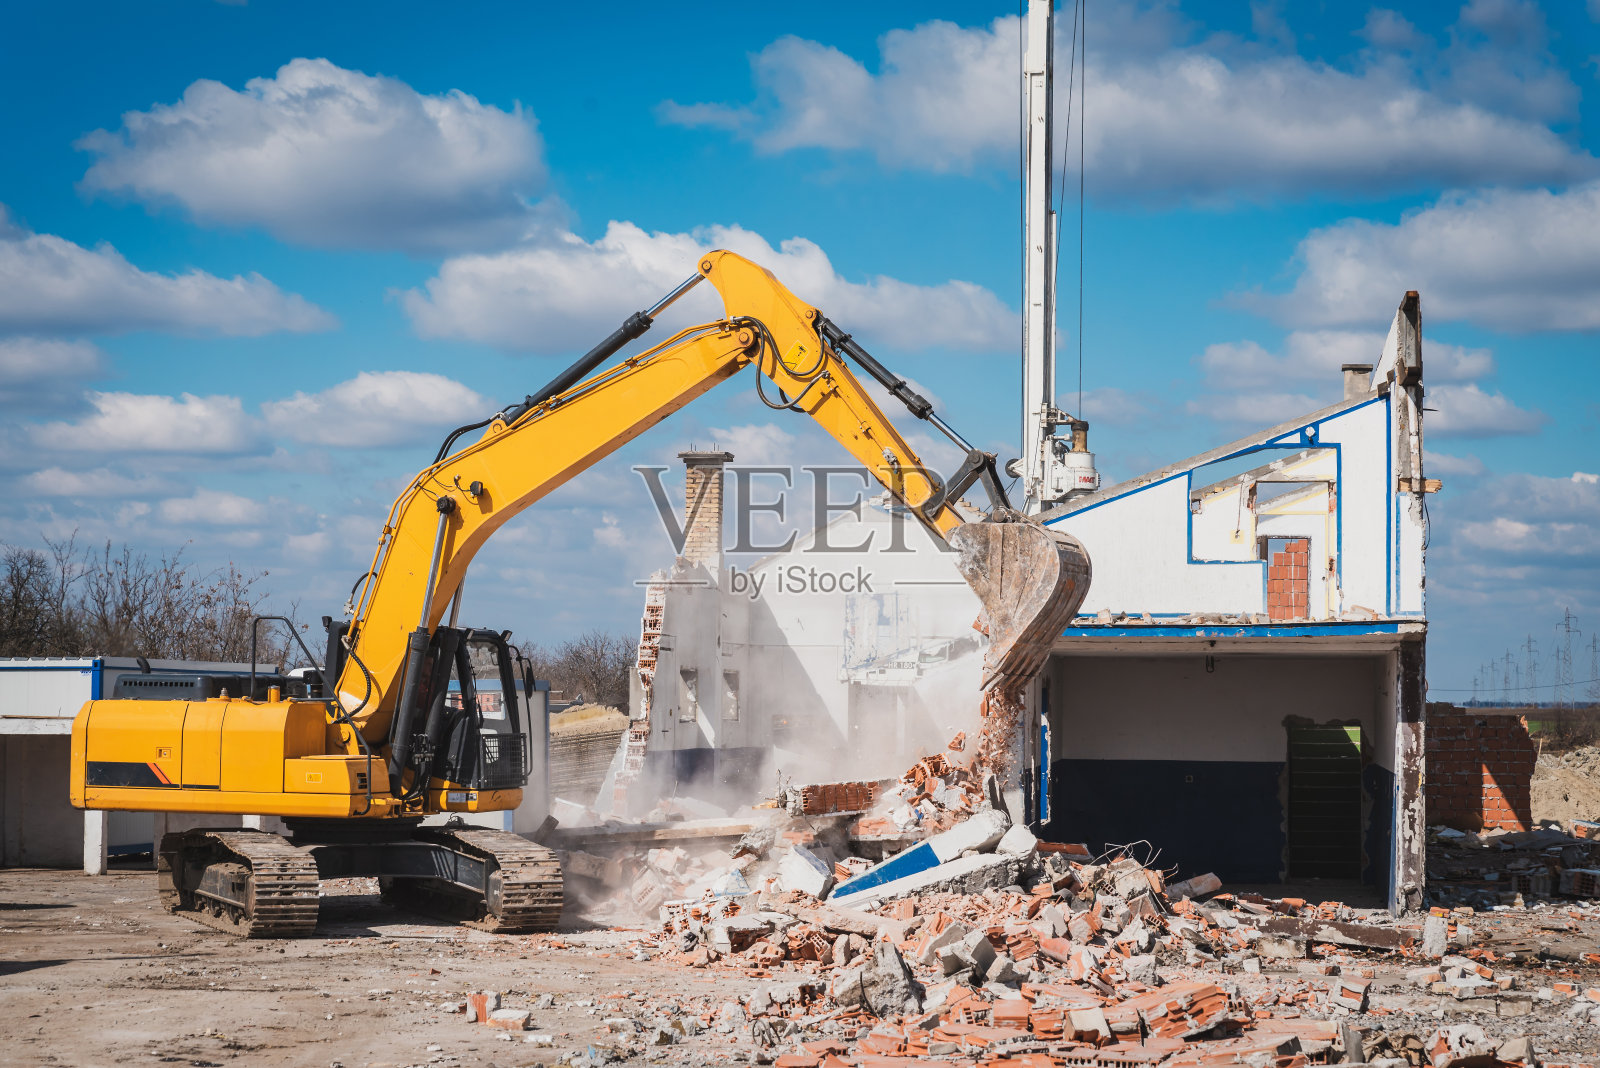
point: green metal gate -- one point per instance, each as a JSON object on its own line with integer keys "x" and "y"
{"x": 1325, "y": 802}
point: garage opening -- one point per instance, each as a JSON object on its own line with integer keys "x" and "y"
{"x": 1324, "y": 801}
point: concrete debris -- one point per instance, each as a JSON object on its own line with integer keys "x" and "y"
{"x": 932, "y": 927}
{"x": 1512, "y": 867}
{"x": 1199, "y": 886}
{"x": 802, "y": 871}
{"x": 1048, "y": 960}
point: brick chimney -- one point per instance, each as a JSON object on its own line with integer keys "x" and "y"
{"x": 1356, "y": 379}
{"x": 702, "y": 495}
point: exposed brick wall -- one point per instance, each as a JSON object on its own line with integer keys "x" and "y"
{"x": 1289, "y": 581}
{"x": 1479, "y": 771}
{"x": 702, "y": 492}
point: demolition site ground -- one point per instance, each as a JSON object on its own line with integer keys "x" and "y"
{"x": 93, "y": 972}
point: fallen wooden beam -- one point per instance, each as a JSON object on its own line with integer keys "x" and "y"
{"x": 1337, "y": 933}
{"x": 591, "y": 838}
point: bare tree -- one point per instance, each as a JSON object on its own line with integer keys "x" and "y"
{"x": 595, "y": 665}
{"x": 119, "y": 602}
{"x": 37, "y": 617}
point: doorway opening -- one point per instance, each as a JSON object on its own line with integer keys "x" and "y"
{"x": 1324, "y": 801}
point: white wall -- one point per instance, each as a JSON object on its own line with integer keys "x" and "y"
{"x": 1152, "y": 553}
{"x": 812, "y": 655}
{"x": 1169, "y": 707}
{"x": 1139, "y": 551}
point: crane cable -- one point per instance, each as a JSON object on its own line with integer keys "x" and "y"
{"x": 1076, "y": 79}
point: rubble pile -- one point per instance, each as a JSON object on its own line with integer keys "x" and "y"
{"x": 933, "y": 795}
{"x": 1512, "y": 869}
{"x": 978, "y": 944}
{"x": 1060, "y": 960}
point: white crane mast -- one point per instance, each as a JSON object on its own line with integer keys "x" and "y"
{"x": 1052, "y": 468}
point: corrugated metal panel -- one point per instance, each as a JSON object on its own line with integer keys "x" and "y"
{"x": 43, "y": 696}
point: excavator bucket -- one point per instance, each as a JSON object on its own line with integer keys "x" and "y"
{"x": 1031, "y": 580}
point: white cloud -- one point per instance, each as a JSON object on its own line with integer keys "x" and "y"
{"x": 376, "y": 408}
{"x": 50, "y": 285}
{"x": 1252, "y": 408}
{"x": 100, "y": 482}
{"x": 44, "y": 373}
{"x": 1391, "y": 31}
{"x": 1317, "y": 356}
{"x": 565, "y": 294}
{"x": 1504, "y": 259}
{"x": 1218, "y": 118}
{"x": 213, "y": 508}
{"x": 756, "y": 443}
{"x": 331, "y": 157}
{"x": 1439, "y": 463}
{"x": 25, "y": 360}
{"x": 610, "y": 533}
{"x": 1519, "y": 544}
{"x": 134, "y": 422}
{"x": 1466, "y": 411}
{"x": 1109, "y": 406}
{"x": 1547, "y": 519}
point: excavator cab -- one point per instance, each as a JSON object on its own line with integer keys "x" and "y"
{"x": 485, "y": 735}
{"x": 471, "y": 752}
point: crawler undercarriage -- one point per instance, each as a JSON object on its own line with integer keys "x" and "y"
{"x": 255, "y": 884}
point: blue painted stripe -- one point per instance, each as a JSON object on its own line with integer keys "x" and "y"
{"x": 918, "y": 858}
{"x": 1248, "y": 630}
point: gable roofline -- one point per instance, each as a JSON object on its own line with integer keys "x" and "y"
{"x": 1221, "y": 452}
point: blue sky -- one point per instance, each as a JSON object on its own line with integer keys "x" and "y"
{"x": 239, "y": 239}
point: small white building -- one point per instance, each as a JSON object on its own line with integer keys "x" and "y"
{"x": 39, "y": 698}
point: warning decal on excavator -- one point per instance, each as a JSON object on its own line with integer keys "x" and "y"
{"x": 127, "y": 773}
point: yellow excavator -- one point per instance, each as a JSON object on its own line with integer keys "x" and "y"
{"x": 353, "y": 755}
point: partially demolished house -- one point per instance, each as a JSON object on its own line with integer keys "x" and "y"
{"x": 833, "y": 658}
{"x": 1243, "y": 691}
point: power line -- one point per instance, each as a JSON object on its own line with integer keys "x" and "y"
{"x": 1546, "y": 686}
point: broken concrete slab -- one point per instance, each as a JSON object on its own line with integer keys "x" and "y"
{"x": 884, "y": 986}
{"x": 1017, "y": 842}
{"x": 1199, "y": 886}
{"x": 978, "y": 833}
{"x": 803, "y": 871}
{"x": 964, "y": 875}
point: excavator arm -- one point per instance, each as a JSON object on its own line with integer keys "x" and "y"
{"x": 438, "y": 524}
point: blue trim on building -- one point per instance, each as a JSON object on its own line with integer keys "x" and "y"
{"x": 97, "y": 682}
{"x": 1229, "y": 630}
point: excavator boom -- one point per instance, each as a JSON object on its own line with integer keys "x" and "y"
{"x": 1030, "y": 580}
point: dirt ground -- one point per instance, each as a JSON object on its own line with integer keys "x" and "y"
{"x": 93, "y": 973}
{"x": 1566, "y": 786}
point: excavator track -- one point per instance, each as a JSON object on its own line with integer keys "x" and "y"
{"x": 524, "y": 884}
{"x": 251, "y": 884}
